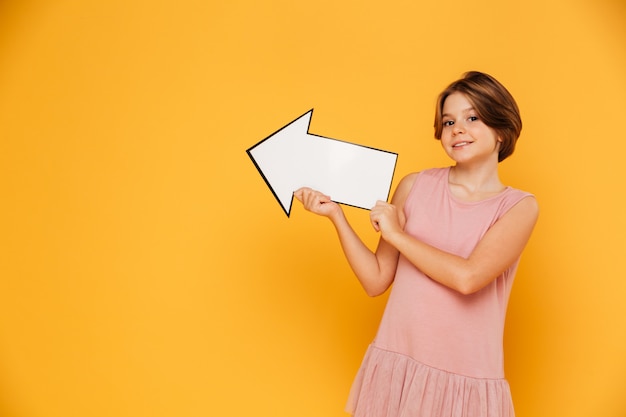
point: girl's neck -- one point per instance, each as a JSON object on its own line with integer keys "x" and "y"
{"x": 474, "y": 183}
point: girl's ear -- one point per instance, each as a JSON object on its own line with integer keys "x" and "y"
{"x": 498, "y": 144}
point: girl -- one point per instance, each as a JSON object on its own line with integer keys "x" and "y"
{"x": 450, "y": 242}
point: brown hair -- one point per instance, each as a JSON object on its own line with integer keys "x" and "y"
{"x": 492, "y": 102}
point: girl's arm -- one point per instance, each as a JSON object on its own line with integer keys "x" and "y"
{"x": 375, "y": 270}
{"x": 497, "y": 250}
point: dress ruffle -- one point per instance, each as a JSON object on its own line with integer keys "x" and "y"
{"x": 390, "y": 384}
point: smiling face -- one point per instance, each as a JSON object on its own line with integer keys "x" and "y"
{"x": 464, "y": 136}
{"x": 493, "y": 104}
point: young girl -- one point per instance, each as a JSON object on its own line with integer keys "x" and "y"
{"x": 450, "y": 242}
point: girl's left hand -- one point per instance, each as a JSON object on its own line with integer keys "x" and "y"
{"x": 386, "y": 218}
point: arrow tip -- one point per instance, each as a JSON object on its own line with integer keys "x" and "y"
{"x": 272, "y": 158}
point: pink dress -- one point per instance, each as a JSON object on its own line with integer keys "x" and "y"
{"x": 437, "y": 352}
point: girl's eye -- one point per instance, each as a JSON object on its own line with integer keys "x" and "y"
{"x": 473, "y": 118}
{"x": 448, "y": 123}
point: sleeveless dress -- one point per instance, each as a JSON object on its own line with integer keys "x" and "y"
{"x": 438, "y": 352}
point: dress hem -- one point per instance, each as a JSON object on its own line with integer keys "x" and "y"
{"x": 391, "y": 384}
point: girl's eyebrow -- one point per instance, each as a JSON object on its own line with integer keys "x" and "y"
{"x": 469, "y": 109}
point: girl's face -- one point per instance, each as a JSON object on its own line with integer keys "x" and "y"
{"x": 465, "y": 138}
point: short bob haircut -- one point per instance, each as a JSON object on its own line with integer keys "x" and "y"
{"x": 492, "y": 102}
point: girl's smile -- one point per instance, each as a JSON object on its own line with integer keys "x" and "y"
{"x": 463, "y": 131}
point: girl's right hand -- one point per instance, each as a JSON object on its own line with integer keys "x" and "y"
{"x": 316, "y": 202}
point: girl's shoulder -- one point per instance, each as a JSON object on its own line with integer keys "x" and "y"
{"x": 408, "y": 182}
{"x": 431, "y": 174}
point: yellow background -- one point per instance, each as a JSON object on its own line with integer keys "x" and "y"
{"x": 146, "y": 269}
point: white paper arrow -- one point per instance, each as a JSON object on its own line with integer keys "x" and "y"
{"x": 350, "y": 174}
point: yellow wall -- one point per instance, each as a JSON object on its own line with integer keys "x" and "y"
{"x": 145, "y": 268}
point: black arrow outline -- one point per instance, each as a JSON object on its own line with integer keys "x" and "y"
{"x": 288, "y": 212}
